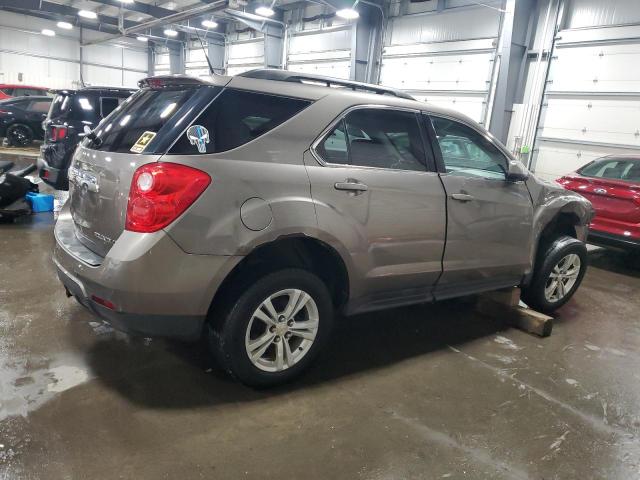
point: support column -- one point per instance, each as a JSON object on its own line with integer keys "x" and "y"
{"x": 366, "y": 44}
{"x": 513, "y": 54}
{"x": 216, "y": 56}
{"x": 176, "y": 58}
{"x": 273, "y": 46}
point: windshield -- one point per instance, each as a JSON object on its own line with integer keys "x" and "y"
{"x": 614, "y": 169}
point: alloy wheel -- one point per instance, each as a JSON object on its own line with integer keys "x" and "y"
{"x": 562, "y": 278}
{"x": 282, "y": 330}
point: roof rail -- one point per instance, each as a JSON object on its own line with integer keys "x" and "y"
{"x": 286, "y": 76}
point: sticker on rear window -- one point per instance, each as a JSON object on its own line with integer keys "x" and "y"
{"x": 198, "y": 136}
{"x": 142, "y": 142}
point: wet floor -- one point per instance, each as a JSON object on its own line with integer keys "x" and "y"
{"x": 425, "y": 392}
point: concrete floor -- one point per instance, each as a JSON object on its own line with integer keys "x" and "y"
{"x": 431, "y": 392}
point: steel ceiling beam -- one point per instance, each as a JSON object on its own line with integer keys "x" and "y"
{"x": 139, "y": 7}
{"x": 57, "y": 17}
{"x": 56, "y": 8}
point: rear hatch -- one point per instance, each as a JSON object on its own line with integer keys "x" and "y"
{"x": 138, "y": 132}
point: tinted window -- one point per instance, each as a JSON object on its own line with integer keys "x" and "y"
{"x": 145, "y": 111}
{"x": 378, "y": 138}
{"x": 466, "y": 152}
{"x": 39, "y": 106}
{"x": 615, "y": 168}
{"x": 21, "y": 92}
{"x": 7, "y": 91}
{"x": 236, "y": 117}
{"x": 108, "y": 105}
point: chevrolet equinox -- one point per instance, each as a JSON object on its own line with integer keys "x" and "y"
{"x": 251, "y": 208}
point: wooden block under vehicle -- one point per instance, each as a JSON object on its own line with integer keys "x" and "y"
{"x": 506, "y": 304}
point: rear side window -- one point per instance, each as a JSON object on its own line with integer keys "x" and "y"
{"x": 39, "y": 106}
{"x": 615, "y": 169}
{"x": 379, "y": 138}
{"x": 108, "y": 105}
{"x": 234, "y": 118}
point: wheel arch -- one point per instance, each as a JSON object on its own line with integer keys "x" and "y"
{"x": 291, "y": 251}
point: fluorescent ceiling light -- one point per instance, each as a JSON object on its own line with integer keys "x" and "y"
{"x": 87, "y": 14}
{"x": 142, "y": 39}
{"x": 65, "y": 25}
{"x": 126, "y": 1}
{"x": 265, "y": 11}
{"x": 48, "y": 33}
{"x": 170, "y": 32}
{"x": 348, "y": 13}
{"x": 209, "y": 24}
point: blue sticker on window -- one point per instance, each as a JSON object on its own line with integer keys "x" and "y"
{"x": 198, "y": 136}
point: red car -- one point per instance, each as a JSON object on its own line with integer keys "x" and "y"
{"x": 8, "y": 91}
{"x": 612, "y": 184}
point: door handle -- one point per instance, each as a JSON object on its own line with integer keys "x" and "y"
{"x": 351, "y": 186}
{"x": 462, "y": 197}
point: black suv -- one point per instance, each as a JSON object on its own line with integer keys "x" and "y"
{"x": 64, "y": 127}
{"x": 21, "y": 119}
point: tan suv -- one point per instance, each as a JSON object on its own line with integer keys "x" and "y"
{"x": 252, "y": 208}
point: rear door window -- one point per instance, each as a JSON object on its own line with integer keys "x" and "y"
{"x": 379, "y": 138}
{"x": 234, "y": 118}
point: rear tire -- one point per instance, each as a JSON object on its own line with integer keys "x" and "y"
{"x": 558, "y": 273}
{"x": 274, "y": 329}
{"x": 19, "y": 135}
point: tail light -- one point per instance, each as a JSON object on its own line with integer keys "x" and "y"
{"x": 160, "y": 193}
{"x": 58, "y": 133}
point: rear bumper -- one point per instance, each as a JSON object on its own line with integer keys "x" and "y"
{"x": 155, "y": 287}
{"x": 55, "y": 176}
{"x": 611, "y": 240}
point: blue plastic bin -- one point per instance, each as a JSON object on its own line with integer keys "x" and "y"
{"x": 40, "y": 202}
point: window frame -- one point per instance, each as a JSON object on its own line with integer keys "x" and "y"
{"x": 428, "y": 162}
{"x": 433, "y": 140}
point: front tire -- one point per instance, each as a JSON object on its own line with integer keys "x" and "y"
{"x": 558, "y": 273}
{"x": 274, "y": 329}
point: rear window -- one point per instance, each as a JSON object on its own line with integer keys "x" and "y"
{"x": 234, "y": 118}
{"x": 23, "y": 92}
{"x": 146, "y": 111}
{"x": 614, "y": 168}
{"x": 83, "y": 106}
{"x": 80, "y": 107}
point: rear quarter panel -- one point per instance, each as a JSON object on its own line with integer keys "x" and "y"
{"x": 269, "y": 173}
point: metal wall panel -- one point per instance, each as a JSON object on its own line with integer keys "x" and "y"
{"x": 321, "y": 52}
{"x": 454, "y": 74}
{"x": 588, "y": 13}
{"x": 467, "y": 23}
{"x": 54, "y": 61}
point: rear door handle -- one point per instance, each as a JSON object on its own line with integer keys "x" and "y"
{"x": 462, "y": 197}
{"x": 351, "y": 186}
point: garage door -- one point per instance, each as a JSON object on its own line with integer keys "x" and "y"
{"x": 445, "y": 58}
{"x": 245, "y": 55}
{"x": 592, "y": 103}
{"x": 321, "y": 52}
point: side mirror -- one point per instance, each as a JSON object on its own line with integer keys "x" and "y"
{"x": 517, "y": 172}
